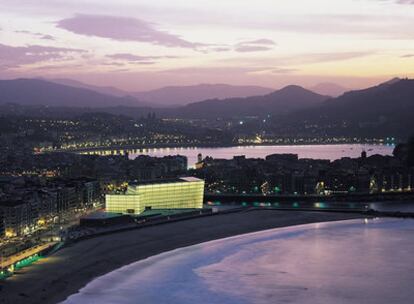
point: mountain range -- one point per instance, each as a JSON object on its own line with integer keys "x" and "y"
{"x": 183, "y": 95}
{"x": 175, "y": 95}
{"x": 41, "y": 92}
{"x": 389, "y": 98}
{"x": 280, "y": 102}
{"x": 108, "y": 90}
{"x": 52, "y": 94}
{"x": 387, "y": 106}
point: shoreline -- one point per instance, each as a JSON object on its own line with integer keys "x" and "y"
{"x": 204, "y": 146}
{"x": 54, "y": 278}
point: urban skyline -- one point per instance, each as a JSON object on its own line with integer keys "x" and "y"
{"x": 188, "y": 152}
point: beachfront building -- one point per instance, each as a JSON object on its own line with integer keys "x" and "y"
{"x": 178, "y": 193}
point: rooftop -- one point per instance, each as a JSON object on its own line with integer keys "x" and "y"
{"x": 165, "y": 181}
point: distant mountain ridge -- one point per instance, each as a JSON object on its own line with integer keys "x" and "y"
{"x": 40, "y": 92}
{"x": 108, "y": 90}
{"x": 387, "y": 107}
{"x": 172, "y": 96}
{"x": 329, "y": 89}
{"x": 396, "y": 94}
{"x": 183, "y": 95}
{"x": 283, "y": 101}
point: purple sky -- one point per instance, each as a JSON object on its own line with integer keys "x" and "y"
{"x": 141, "y": 45}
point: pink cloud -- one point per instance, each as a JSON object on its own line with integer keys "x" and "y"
{"x": 123, "y": 29}
{"x": 38, "y": 35}
{"x": 221, "y": 49}
{"x": 137, "y": 59}
{"x": 261, "y": 41}
{"x": 296, "y": 59}
{"x": 257, "y": 45}
{"x": 47, "y": 37}
{"x": 283, "y": 70}
{"x": 130, "y": 57}
{"x": 15, "y": 56}
{"x": 251, "y": 48}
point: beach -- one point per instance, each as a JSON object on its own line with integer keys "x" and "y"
{"x": 53, "y": 279}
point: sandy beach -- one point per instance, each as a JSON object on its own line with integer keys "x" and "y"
{"x": 56, "y": 277}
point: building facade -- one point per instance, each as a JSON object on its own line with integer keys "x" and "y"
{"x": 180, "y": 193}
{"x": 19, "y": 217}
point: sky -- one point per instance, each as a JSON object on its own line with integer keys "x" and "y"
{"x": 141, "y": 45}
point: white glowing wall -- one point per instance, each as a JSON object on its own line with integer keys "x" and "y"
{"x": 182, "y": 194}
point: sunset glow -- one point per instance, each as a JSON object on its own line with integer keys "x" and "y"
{"x": 139, "y": 45}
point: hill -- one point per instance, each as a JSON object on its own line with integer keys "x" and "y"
{"x": 283, "y": 101}
{"x": 41, "y": 92}
{"x": 383, "y": 109}
{"x": 183, "y": 95}
{"x": 107, "y": 90}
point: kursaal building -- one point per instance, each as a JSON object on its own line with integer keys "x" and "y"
{"x": 179, "y": 193}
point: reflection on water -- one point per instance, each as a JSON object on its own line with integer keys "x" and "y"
{"x": 305, "y": 205}
{"x": 330, "y": 152}
{"x": 391, "y": 206}
{"x": 357, "y": 261}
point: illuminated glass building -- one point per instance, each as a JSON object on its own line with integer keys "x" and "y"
{"x": 179, "y": 193}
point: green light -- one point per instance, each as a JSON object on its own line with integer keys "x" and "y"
{"x": 4, "y": 274}
{"x": 320, "y": 205}
{"x": 26, "y": 262}
{"x": 277, "y": 189}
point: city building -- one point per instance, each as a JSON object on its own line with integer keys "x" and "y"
{"x": 178, "y": 193}
{"x": 19, "y": 218}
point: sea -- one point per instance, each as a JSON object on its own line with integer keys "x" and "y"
{"x": 354, "y": 261}
{"x": 331, "y": 152}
